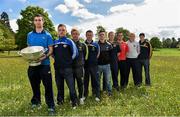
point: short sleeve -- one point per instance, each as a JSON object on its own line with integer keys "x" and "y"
{"x": 50, "y": 41}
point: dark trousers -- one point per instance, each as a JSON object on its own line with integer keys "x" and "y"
{"x": 67, "y": 75}
{"x": 132, "y": 63}
{"x": 123, "y": 73}
{"x": 91, "y": 71}
{"x": 78, "y": 74}
{"x": 114, "y": 73}
{"x": 144, "y": 63}
{"x": 36, "y": 74}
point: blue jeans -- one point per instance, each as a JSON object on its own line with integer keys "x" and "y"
{"x": 105, "y": 69}
{"x": 144, "y": 63}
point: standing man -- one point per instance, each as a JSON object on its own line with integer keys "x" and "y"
{"x": 36, "y": 74}
{"x": 91, "y": 67}
{"x": 65, "y": 51}
{"x": 132, "y": 61}
{"x": 144, "y": 58}
{"x": 122, "y": 60}
{"x": 114, "y": 60}
{"x": 104, "y": 61}
{"x": 78, "y": 63}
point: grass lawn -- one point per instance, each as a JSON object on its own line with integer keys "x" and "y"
{"x": 162, "y": 98}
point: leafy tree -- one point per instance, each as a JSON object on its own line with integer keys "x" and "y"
{"x": 167, "y": 43}
{"x": 26, "y": 24}
{"x": 155, "y": 43}
{"x": 5, "y": 19}
{"x": 174, "y": 43}
{"x": 124, "y": 31}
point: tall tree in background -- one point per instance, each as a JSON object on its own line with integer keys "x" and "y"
{"x": 166, "y": 43}
{"x": 124, "y": 31}
{"x": 156, "y": 43}
{"x": 26, "y": 24}
{"x": 5, "y": 19}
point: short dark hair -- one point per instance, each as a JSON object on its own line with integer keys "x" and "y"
{"x": 39, "y": 15}
{"x": 110, "y": 32}
{"x": 101, "y": 31}
{"x": 61, "y": 25}
{"x": 119, "y": 32}
{"x": 142, "y": 34}
{"x": 89, "y": 31}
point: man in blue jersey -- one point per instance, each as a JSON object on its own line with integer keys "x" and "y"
{"x": 36, "y": 74}
{"x": 65, "y": 51}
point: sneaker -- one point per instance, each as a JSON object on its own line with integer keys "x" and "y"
{"x": 74, "y": 105}
{"x": 51, "y": 111}
{"x": 38, "y": 106}
{"x": 97, "y": 99}
{"x": 81, "y": 101}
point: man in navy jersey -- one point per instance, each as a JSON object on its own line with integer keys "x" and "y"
{"x": 91, "y": 67}
{"x": 65, "y": 51}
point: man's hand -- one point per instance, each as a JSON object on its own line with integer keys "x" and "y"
{"x": 44, "y": 56}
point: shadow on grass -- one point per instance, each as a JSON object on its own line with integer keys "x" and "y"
{"x": 3, "y": 56}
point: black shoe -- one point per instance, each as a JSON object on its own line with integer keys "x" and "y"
{"x": 109, "y": 94}
{"x": 148, "y": 85}
{"x": 51, "y": 111}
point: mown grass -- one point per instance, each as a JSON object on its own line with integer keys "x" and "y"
{"x": 162, "y": 98}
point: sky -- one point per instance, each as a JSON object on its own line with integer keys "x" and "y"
{"x": 153, "y": 17}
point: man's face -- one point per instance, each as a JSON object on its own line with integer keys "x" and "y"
{"x": 89, "y": 36}
{"x": 132, "y": 37}
{"x": 141, "y": 37}
{"x": 62, "y": 31}
{"x": 38, "y": 22}
{"x": 120, "y": 36}
{"x": 111, "y": 36}
{"x": 102, "y": 36}
{"x": 75, "y": 35}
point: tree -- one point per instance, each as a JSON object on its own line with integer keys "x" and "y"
{"x": 124, "y": 31}
{"x": 5, "y": 19}
{"x": 174, "y": 43}
{"x": 155, "y": 43}
{"x": 167, "y": 43}
{"x": 26, "y": 24}
{"x": 6, "y": 44}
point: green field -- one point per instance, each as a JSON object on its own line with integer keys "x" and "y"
{"x": 162, "y": 98}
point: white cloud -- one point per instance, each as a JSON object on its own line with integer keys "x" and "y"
{"x": 14, "y": 25}
{"x": 85, "y": 14}
{"x": 146, "y": 17}
{"x": 106, "y": 0}
{"x": 77, "y": 9}
{"x": 73, "y": 4}
{"x": 122, "y": 8}
{"x": 88, "y": 1}
{"x": 62, "y": 8}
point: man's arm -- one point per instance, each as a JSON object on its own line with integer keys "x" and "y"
{"x": 48, "y": 54}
